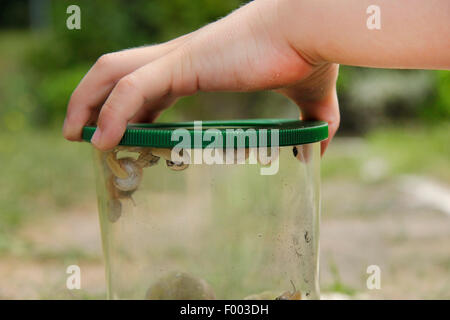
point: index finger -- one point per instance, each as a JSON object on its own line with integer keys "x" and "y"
{"x": 95, "y": 87}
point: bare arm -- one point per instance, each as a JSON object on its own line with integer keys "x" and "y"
{"x": 413, "y": 33}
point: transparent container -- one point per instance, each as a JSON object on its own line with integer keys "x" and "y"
{"x": 175, "y": 228}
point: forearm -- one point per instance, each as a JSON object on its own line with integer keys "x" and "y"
{"x": 413, "y": 33}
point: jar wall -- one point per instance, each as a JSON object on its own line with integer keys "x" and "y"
{"x": 213, "y": 231}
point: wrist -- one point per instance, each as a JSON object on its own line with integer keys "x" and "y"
{"x": 298, "y": 22}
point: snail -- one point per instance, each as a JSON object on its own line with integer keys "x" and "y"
{"x": 146, "y": 158}
{"x": 180, "y": 286}
{"x": 114, "y": 165}
{"x": 167, "y": 154}
{"x": 133, "y": 175}
{"x": 175, "y": 166}
{"x": 294, "y": 295}
{"x": 126, "y": 175}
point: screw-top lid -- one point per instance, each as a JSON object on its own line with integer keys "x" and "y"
{"x": 168, "y": 135}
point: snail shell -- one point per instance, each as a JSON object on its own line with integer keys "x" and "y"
{"x": 180, "y": 286}
{"x": 167, "y": 154}
{"x": 176, "y": 166}
{"x": 134, "y": 172}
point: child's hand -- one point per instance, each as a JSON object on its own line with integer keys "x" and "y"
{"x": 245, "y": 51}
{"x": 267, "y": 44}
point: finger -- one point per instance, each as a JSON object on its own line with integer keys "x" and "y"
{"x": 150, "y": 83}
{"x": 95, "y": 87}
{"x": 150, "y": 111}
{"x": 317, "y": 99}
{"x": 325, "y": 110}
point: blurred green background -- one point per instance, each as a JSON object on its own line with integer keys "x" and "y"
{"x": 386, "y": 177}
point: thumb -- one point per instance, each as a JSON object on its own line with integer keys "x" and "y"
{"x": 325, "y": 110}
{"x": 317, "y": 98}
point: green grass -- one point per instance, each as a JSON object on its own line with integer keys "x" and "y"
{"x": 415, "y": 150}
{"x": 41, "y": 173}
{"x": 337, "y": 285}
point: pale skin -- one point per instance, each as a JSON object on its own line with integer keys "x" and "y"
{"x": 291, "y": 46}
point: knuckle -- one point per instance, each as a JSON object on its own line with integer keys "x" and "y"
{"x": 74, "y": 103}
{"x": 108, "y": 114}
{"x": 127, "y": 84}
{"x": 105, "y": 61}
{"x": 185, "y": 81}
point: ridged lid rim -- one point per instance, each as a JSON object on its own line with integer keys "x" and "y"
{"x": 160, "y": 135}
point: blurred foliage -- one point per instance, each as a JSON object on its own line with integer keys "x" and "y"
{"x": 372, "y": 97}
{"x": 440, "y": 103}
{"x": 36, "y": 168}
{"x": 391, "y": 151}
{"x": 13, "y": 13}
{"x": 40, "y": 69}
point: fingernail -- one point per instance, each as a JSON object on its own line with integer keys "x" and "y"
{"x": 95, "y": 140}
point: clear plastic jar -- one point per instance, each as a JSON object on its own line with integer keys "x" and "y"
{"x": 175, "y": 229}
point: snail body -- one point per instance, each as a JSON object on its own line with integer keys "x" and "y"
{"x": 167, "y": 155}
{"x": 114, "y": 210}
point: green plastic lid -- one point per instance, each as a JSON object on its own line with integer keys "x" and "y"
{"x": 167, "y": 135}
